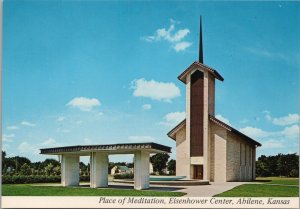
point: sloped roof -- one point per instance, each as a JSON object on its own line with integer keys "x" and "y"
{"x": 233, "y": 130}
{"x": 172, "y": 133}
{"x": 215, "y": 73}
{"x": 123, "y": 168}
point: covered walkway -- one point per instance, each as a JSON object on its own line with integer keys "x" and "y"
{"x": 99, "y": 162}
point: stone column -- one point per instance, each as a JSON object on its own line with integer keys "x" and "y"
{"x": 141, "y": 170}
{"x": 69, "y": 170}
{"x": 99, "y": 170}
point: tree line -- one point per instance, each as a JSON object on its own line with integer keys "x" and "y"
{"x": 18, "y": 165}
{"x": 278, "y": 165}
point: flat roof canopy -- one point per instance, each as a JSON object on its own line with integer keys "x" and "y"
{"x": 107, "y": 148}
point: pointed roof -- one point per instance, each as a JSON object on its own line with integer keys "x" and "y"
{"x": 197, "y": 64}
{"x": 172, "y": 133}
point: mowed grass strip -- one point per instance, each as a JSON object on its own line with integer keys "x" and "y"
{"x": 278, "y": 180}
{"x": 32, "y": 190}
{"x": 261, "y": 190}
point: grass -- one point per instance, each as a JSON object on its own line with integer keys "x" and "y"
{"x": 38, "y": 190}
{"x": 266, "y": 187}
{"x": 278, "y": 180}
{"x": 261, "y": 190}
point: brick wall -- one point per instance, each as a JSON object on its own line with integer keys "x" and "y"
{"x": 182, "y": 156}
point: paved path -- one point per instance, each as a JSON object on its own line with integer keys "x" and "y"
{"x": 192, "y": 191}
{"x": 209, "y": 190}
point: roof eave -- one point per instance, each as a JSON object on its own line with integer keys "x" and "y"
{"x": 233, "y": 130}
{"x": 173, "y": 132}
{"x": 182, "y": 76}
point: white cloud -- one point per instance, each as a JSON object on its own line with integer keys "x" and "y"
{"x": 50, "y": 142}
{"x": 255, "y": 132}
{"x": 268, "y": 54}
{"x": 270, "y": 144}
{"x": 244, "y": 121}
{"x": 83, "y": 103}
{"x": 291, "y": 132}
{"x": 273, "y": 139}
{"x": 12, "y": 127}
{"x": 181, "y": 46}
{"x": 155, "y": 90}
{"x": 173, "y": 118}
{"x": 62, "y": 130}
{"x": 268, "y": 117}
{"x": 87, "y": 141}
{"x": 286, "y": 120}
{"x": 5, "y": 147}
{"x": 25, "y": 148}
{"x": 26, "y": 123}
{"x": 146, "y": 107}
{"x": 61, "y": 118}
{"x": 223, "y": 119}
{"x": 171, "y": 36}
{"x": 8, "y": 137}
{"x": 282, "y": 121}
{"x": 141, "y": 139}
{"x": 99, "y": 113}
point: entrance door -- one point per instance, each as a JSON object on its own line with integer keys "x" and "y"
{"x": 198, "y": 172}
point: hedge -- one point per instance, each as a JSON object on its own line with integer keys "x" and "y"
{"x": 22, "y": 179}
{"x": 124, "y": 176}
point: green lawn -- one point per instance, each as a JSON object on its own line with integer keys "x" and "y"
{"x": 278, "y": 180}
{"x": 38, "y": 190}
{"x": 261, "y": 190}
{"x": 265, "y": 187}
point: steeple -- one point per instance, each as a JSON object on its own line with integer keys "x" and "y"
{"x": 200, "y": 42}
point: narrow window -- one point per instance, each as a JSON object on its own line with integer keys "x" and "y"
{"x": 240, "y": 154}
{"x": 245, "y": 154}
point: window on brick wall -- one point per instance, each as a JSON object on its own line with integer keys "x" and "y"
{"x": 245, "y": 154}
{"x": 240, "y": 154}
{"x": 250, "y": 159}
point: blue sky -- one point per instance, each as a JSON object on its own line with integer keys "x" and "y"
{"x": 79, "y": 72}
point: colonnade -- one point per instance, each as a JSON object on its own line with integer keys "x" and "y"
{"x": 99, "y": 169}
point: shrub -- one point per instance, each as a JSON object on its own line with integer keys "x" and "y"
{"x": 84, "y": 178}
{"x": 22, "y": 179}
{"x": 294, "y": 173}
{"x": 124, "y": 176}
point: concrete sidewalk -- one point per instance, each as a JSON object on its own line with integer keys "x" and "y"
{"x": 209, "y": 190}
{"x": 192, "y": 191}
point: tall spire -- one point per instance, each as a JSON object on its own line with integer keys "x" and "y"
{"x": 200, "y": 43}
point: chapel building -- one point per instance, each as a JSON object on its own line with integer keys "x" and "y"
{"x": 206, "y": 147}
